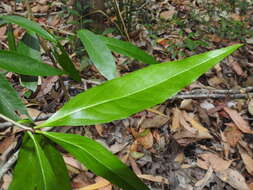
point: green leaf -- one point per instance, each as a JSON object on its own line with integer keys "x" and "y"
{"x": 142, "y": 89}
{"x": 47, "y": 173}
{"x": 29, "y": 26}
{"x": 128, "y": 49}
{"x": 98, "y": 159}
{"x": 18, "y": 63}
{"x": 9, "y": 100}
{"x": 99, "y": 53}
{"x": 30, "y": 46}
{"x": 57, "y": 163}
{"x": 66, "y": 63}
{"x": 26, "y": 175}
{"x": 11, "y": 38}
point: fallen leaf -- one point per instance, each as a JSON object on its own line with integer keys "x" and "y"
{"x": 167, "y": 15}
{"x": 202, "y": 131}
{"x": 207, "y": 160}
{"x": 250, "y": 107}
{"x": 175, "y": 120}
{"x": 4, "y": 144}
{"x": 233, "y": 178}
{"x": 154, "y": 122}
{"x": 238, "y": 120}
{"x": 247, "y": 160}
{"x": 3, "y": 30}
{"x": 100, "y": 184}
{"x": 158, "y": 179}
{"x": 233, "y": 134}
{"x": 205, "y": 180}
{"x": 145, "y": 138}
{"x": 237, "y": 68}
{"x": 134, "y": 166}
{"x": 100, "y": 129}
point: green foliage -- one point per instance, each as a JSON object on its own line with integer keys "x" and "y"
{"x": 115, "y": 99}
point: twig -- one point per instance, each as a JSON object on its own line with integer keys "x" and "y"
{"x": 7, "y": 165}
{"x": 9, "y": 124}
{"x": 121, "y": 19}
{"x": 15, "y": 123}
{"x": 213, "y": 96}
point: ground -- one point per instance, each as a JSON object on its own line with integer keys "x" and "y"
{"x": 202, "y": 140}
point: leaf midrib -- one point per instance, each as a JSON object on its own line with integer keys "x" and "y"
{"x": 131, "y": 94}
{"x": 80, "y": 147}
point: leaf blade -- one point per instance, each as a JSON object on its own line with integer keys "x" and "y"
{"x": 21, "y": 64}
{"x": 135, "y": 91}
{"x": 98, "y": 159}
{"x": 29, "y": 26}
{"x": 22, "y": 170}
{"x": 9, "y": 100}
{"x": 128, "y": 49}
{"x": 99, "y": 53}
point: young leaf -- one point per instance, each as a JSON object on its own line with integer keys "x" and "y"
{"x": 99, "y": 53}
{"x": 30, "y": 46}
{"x": 128, "y": 49}
{"x": 98, "y": 159}
{"x": 121, "y": 97}
{"x": 18, "y": 63}
{"x": 66, "y": 63}
{"x": 29, "y": 26}
{"x": 9, "y": 100}
{"x": 11, "y": 38}
{"x": 47, "y": 173}
{"x": 26, "y": 175}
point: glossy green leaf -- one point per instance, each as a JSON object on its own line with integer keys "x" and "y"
{"x": 9, "y": 100}
{"x": 29, "y": 45}
{"x": 26, "y": 175}
{"x": 18, "y": 63}
{"x": 66, "y": 63}
{"x": 58, "y": 165}
{"x": 99, "y": 53}
{"x": 11, "y": 38}
{"x": 128, "y": 49}
{"x": 29, "y": 26}
{"x": 98, "y": 159}
{"x": 48, "y": 176}
{"x": 122, "y": 97}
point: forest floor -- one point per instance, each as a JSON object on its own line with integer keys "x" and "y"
{"x": 201, "y": 140}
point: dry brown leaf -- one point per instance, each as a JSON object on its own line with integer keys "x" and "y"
{"x": 250, "y": 186}
{"x": 2, "y": 31}
{"x": 73, "y": 162}
{"x": 233, "y": 134}
{"x": 47, "y": 85}
{"x": 238, "y": 120}
{"x": 187, "y": 104}
{"x": 233, "y": 178}
{"x": 158, "y": 179}
{"x": 175, "y": 120}
{"x": 250, "y": 107}
{"x": 247, "y": 160}
{"x": 134, "y": 166}
{"x": 202, "y": 131}
{"x": 155, "y": 122}
{"x": 100, "y": 129}
{"x": 237, "y": 68}
{"x": 166, "y": 15}
{"x": 145, "y": 138}
{"x": 98, "y": 185}
{"x": 6, "y": 143}
{"x": 207, "y": 160}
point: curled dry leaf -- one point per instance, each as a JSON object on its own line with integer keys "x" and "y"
{"x": 145, "y": 138}
{"x": 154, "y": 122}
{"x": 4, "y": 144}
{"x": 233, "y": 178}
{"x": 238, "y": 120}
{"x": 205, "y": 180}
{"x": 207, "y": 160}
{"x": 247, "y": 160}
{"x": 202, "y": 131}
